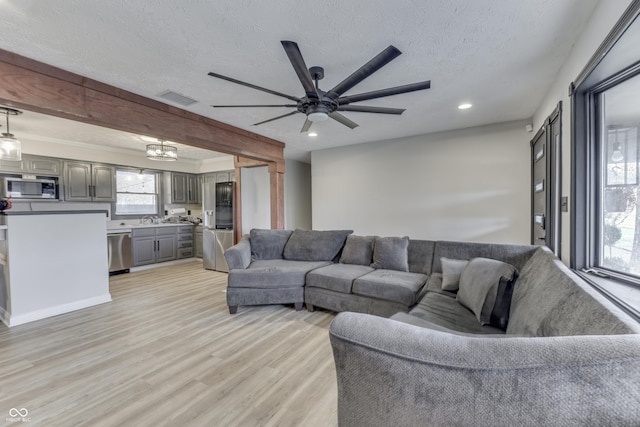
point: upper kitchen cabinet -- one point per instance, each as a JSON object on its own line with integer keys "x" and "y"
{"x": 43, "y": 166}
{"x": 89, "y": 182}
{"x": 185, "y": 188}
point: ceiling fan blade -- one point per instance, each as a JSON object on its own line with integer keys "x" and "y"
{"x": 366, "y": 109}
{"x": 232, "y": 106}
{"x": 343, "y": 100}
{"x": 342, "y": 119}
{"x": 276, "y": 118}
{"x": 379, "y": 61}
{"x": 252, "y": 86}
{"x": 293, "y": 52}
{"x": 305, "y": 127}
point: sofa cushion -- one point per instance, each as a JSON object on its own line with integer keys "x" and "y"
{"x": 418, "y": 321}
{"x": 314, "y": 245}
{"x": 451, "y": 271}
{"x": 357, "y": 250}
{"x": 392, "y": 285}
{"x": 268, "y": 244}
{"x": 502, "y": 308}
{"x": 391, "y": 253}
{"x": 479, "y": 285}
{"x": 444, "y": 310}
{"x": 337, "y": 277}
{"x": 551, "y": 300}
{"x": 275, "y": 273}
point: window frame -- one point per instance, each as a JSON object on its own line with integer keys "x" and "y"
{"x": 157, "y": 193}
{"x": 609, "y": 66}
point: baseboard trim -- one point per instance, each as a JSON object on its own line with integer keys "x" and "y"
{"x": 11, "y": 321}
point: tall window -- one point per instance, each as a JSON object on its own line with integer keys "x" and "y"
{"x": 618, "y": 118}
{"x": 137, "y": 193}
{"x": 605, "y": 213}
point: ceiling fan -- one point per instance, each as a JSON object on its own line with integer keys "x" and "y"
{"x": 319, "y": 105}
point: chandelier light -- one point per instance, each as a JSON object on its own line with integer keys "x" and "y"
{"x": 162, "y": 152}
{"x": 10, "y": 147}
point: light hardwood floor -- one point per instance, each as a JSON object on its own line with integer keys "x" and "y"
{"x": 166, "y": 352}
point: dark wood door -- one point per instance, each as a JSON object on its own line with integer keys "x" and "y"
{"x": 546, "y": 183}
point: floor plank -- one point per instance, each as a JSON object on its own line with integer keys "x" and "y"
{"x": 166, "y": 351}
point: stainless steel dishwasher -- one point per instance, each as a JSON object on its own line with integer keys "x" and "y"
{"x": 214, "y": 243}
{"x": 120, "y": 259}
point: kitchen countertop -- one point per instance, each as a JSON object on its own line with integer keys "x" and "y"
{"x": 56, "y": 212}
{"x": 126, "y": 228}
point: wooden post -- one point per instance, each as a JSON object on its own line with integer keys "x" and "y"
{"x": 276, "y": 176}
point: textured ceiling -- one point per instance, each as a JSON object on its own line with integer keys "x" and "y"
{"x": 500, "y": 55}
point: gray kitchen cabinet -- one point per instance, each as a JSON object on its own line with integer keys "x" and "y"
{"x": 185, "y": 241}
{"x": 153, "y": 244}
{"x": 193, "y": 189}
{"x": 179, "y": 187}
{"x": 89, "y": 182}
{"x": 185, "y": 188}
{"x": 37, "y": 165}
{"x": 144, "y": 250}
{"x": 43, "y": 165}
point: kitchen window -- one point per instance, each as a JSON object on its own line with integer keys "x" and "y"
{"x": 137, "y": 193}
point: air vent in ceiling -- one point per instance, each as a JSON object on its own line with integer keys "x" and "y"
{"x": 172, "y": 96}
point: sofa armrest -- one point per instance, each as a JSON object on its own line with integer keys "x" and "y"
{"x": 393, "y": 373}
{"x": 238, "y": 256}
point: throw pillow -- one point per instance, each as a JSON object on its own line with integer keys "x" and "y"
{"x": 479, "y": 284}
{"x": 357, "y": 250}
{"x": 451, "y": 271}
{"x": 502, "y": 308}
{"x": 391, "y": 253}
{"x": 268, "y": 244}
{"x": 314, "y": 245}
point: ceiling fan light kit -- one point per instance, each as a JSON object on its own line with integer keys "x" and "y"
{"x": 318, "y": 105}
{"x": 10, "y": 147}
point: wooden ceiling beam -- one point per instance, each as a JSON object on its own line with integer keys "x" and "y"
{"x": 34, "y": 86}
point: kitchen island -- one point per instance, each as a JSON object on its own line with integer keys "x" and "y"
{"x": 52, "y": 262}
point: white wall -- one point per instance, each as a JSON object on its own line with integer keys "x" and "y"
{"x": 297, "y": 195}
{"x": 256, "y": 205}
{"x": 469, "y": 185}
{"x": 604, "y": 17}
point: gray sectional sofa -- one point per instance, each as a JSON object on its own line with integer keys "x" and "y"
{"x": 452, "y": 333}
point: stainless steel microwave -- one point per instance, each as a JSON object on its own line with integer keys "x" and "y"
{"x": 28, "y": 189}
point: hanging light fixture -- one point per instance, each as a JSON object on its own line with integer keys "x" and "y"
{"x": 10, "y": 148}
{"x": 162, "y": 152}
{"x": 616, "y": 155}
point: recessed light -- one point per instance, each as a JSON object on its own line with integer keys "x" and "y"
{"x": 464, "y": 106}
{"x": 312, "y": 134}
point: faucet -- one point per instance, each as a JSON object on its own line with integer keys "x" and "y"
{"x": 152, "y": 218}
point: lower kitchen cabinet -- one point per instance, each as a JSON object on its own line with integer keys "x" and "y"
{"x": 185, "y": 241}
{"x": 154, "y": 244}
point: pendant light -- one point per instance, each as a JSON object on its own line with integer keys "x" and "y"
{"x": 10, "y": 148}
{"x": 162, "y": 152}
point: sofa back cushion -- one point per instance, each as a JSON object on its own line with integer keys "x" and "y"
{"x": 551, "y": 300}
{"x": 357, "y": 250}
{"x": 268, "y": 244}
{"x": 391, "y": 253}
{"x": 314, "y": 245}
{"x": 479, "y": 283}
{"x": 516, "y": 255}
{"x": 421, "y": 256}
